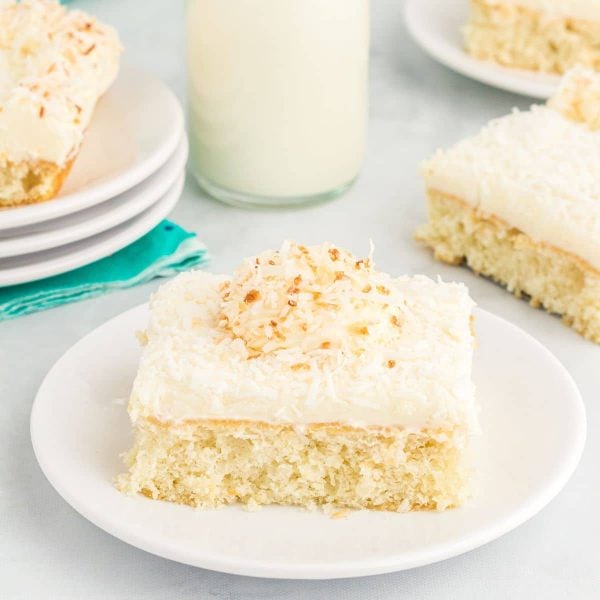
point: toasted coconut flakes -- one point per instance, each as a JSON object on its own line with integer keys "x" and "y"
{"x": 252, "y": 296}
{"x": 311, "y": 298}
{"x": 359, "y": 329}
{"x": 300, "y": 367}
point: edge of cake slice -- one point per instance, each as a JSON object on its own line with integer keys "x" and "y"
{"x": 535, "y": 34}
{"x": 520, "y": 203}
{"x": 56, "y": 63}
{"x": 307, "y": 378}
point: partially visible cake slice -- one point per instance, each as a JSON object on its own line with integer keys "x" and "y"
{"x": 54, "y": 65}
{"x": 308, "y": 378}
{"x": 520, "y": 203}
{"x": 541, "y": 35}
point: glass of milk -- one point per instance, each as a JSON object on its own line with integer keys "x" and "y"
{"x": 277, "y": 98}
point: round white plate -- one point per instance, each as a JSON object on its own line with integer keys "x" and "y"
{"x": 136, "y": 126}
{"x": 39, "y": 265}
{"x": 86, "y": 223}
{"x": 534, "y": 429}
{"x": 436, "y": 25}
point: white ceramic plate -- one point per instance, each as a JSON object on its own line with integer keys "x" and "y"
{"x": 39, "y": 265}
{"x": 436, "y": 27}
{"x": 86, "y": 223}
{"x": 532, "y": 416}
{"x": 135, "y": 128}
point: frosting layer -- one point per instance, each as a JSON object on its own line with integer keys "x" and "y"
{"x": 414, "y": 371}
{"x": 54, "y": 64}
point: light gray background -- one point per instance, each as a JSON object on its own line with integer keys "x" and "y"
{"x": 49, "y": 551}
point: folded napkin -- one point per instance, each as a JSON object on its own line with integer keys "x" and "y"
{"x": 162, "y": 252}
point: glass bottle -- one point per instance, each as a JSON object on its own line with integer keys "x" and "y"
{"x": 277, "y": 98}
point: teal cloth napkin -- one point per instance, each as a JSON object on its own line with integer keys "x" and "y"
{"x": 164, "y": 251}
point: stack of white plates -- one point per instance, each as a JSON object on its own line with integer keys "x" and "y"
{"x": 126, "y": 179}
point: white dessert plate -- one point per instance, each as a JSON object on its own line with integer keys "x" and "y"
{"x": 534, "y": 429}
{"x": 39, "y": 265}
{"x": 86, "y": 223}
{"x": 436, "y": 25}
{"x": 136, "y": 126}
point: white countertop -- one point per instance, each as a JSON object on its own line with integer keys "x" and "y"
{"x": 48, "y": 551}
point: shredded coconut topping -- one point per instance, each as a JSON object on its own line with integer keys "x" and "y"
{"x": 317, "y": 297}
{"x": 54, "y": 64}
{"x": 578, "y": 97}
{"x": 400, "y": 355}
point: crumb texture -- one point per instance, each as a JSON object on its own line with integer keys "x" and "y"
{"x": 559, "y": 282}
{"x": 211, "y": 464}
{"x": 28, "y": 183}
{"x": 527, "y": 37}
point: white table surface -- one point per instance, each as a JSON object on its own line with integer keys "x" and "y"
{"x": 48, "y": 551}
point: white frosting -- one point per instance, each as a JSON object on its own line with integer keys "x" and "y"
{"x": 54, "y": 64}
{"x": 578, "y": 97}
{"x": 417, "y": 374}
{"x": 580, "y": 9}
{"x": 310, "y": 298}
{"x": 537, "y": 171}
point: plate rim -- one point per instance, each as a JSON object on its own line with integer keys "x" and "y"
{"x": 487, "y": 72}
{"x": 355, "y": 568}
{"x": 125, "y": 209}
{"x": 96, "y": 194}
{"x": 140, "y": 224}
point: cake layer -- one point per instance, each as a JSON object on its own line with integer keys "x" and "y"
{"x": 537, "y": 171}
{"x": 535, "y": 34}
{"x": 30, "y": 182}
{"x": 580, "y": 9}
{"x": 560, "y": 282}
{"x": 390, "y": 352}
{"x": 212, "y": 463}
{"x": 54, "y": 65}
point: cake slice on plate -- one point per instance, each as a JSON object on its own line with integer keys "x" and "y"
{"x": 542, "y": 35}
{"x": 520, "y": 202}
{"x": 54, "y": 65}
{"x": 307, "y": 378}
